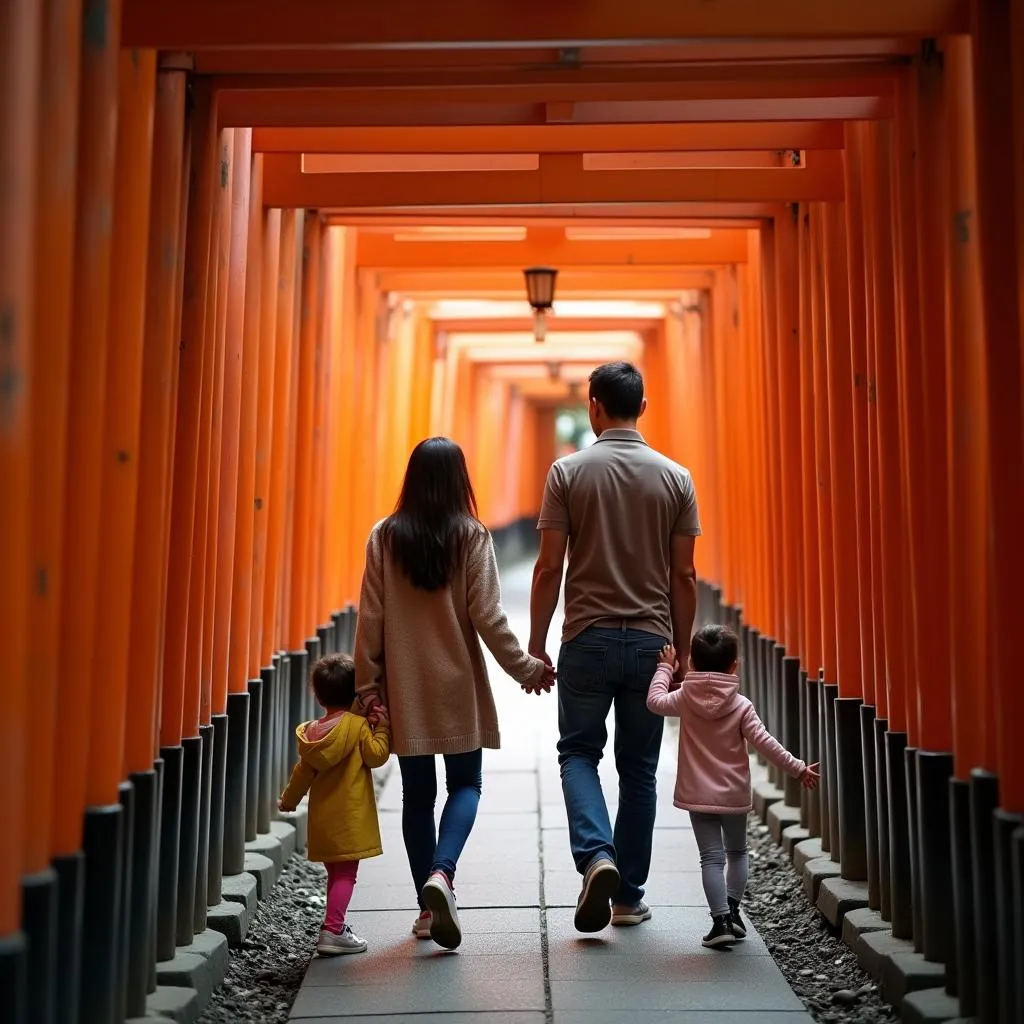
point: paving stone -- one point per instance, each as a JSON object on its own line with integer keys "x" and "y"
{"x": 178, "y": 1003}
{"x": 188, "y": 970}
{"x": 780, "y": 816}
{"x": 809, "y": 849}
{"x": 873, "y": 947}
{"x": 791, "y": 835}
{"x": 815, "y": 872}
{"x": 838, "y": 896}
{"x": 637, "y": 993}
{"x": 905, "y": 972}
{"x": 232, "y": 919}
{"x": 765, "y": 794}
{"x": 240, "y": 889}
{"x": 263, "y": 870}
{"x": 268, "y": 846}
{"x": 394, "y": 925}
{"x": 929, "y": 1006}
{"x": 682, "y": 1017}
{"x": 665, "y": 889}
{"x": 284, "y": 832}
{"x": 485, "y": 1017}
{"x": 857, "y": 922}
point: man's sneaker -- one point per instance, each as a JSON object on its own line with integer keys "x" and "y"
{"x": 721, "y": 933}
{"x": 593, "y": 908}
{"x": 439, "y": 899}
{"x": 739, "y": 928}
{"x": 331, "y": 944}
{"x": 421, "y": 926}
{"x": 624, "y": 914}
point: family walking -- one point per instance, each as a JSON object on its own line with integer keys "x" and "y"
{"x": 417, "y": 686}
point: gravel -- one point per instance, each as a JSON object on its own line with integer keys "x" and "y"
{"x": 820, "y": 967}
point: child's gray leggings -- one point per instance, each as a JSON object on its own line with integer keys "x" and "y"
{"x": 716, "y": 851}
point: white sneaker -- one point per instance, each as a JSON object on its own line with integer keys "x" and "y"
{"x": 330, "y": 944}
{"x": 439, "y": 898}
{"x": 421, "y": 926}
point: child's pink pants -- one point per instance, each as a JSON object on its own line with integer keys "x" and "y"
{"x": 341, "y": 880}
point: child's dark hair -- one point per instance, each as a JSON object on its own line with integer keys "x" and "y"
{"x": 714, "y": 649}
{"x": 334, "y": 681}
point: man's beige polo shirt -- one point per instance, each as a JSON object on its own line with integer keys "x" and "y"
{"x": 620, "y": 502}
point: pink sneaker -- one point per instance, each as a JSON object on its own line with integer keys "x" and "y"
{"x": 439, "y": 899}
{"x": 421, "y": 926}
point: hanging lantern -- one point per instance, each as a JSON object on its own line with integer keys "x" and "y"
{"x": 540, "y": 292}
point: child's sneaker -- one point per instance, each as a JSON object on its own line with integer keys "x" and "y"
{"x": 331, "y": 944}
{"x": 421, "y": 926}
{"x": 439, "y": 898}
{"x": 739, "y": 928}
{"x": 721, "y": 933}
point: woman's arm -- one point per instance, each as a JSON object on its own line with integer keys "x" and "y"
{"x": 483, "y": 594}
{"x": 369, "y": 640}
{"x": 659, "y": 700}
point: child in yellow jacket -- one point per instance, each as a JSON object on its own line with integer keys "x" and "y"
{"x": 336, "y": 753}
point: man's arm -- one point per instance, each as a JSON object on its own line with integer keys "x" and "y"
{"x": 683, "y": 591}
{"x": 547, "y": 582}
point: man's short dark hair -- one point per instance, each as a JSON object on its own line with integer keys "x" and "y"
{"x": 334, "y": 681}
{"x": 619, "y": 387}
{"x": 714, "y": 649}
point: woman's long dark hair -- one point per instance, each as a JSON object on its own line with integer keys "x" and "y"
{"x": 435, "y": 512}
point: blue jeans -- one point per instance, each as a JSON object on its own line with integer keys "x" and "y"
{"x": 598, "y": 670}
{"x": 431, "y": 850}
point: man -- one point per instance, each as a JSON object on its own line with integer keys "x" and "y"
{"x": 629, "y": 518}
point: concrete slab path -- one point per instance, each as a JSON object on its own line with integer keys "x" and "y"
{"x": 521, "y": 960}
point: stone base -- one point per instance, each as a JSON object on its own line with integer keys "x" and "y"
{"x": 838, "y": 896}
{"x": 231, "y": 919}
{"x": 299, "y": 820}
{"x": 808, "y": 850}
{"x": 930, "y": 1006}
{"x": 240, "y": 889}
{"x": 263, "y": 870}
{"x": 765, "y": 794}
{"x": 903, "y": 973}
{"x": 857, "y": 922}
{"x": 285, "y": 834}
{"x": 780, "y": 817}
{"x": 268, "y": 846}
{"x": 793, "y": 835}
{"x": 815, "y": 872}
{"x": 178, "y": 1004}
{"x": 873, "y": 947}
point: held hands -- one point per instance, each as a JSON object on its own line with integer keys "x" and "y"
{"x": 378, "y": 716}
{"x": 282, "y": 806}
{"x": 546, "y": 679}
{"x": 811, "y": 776}
{"x": 668, "y": 657}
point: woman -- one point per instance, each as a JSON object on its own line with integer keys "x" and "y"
{"x": 430, "y": 593}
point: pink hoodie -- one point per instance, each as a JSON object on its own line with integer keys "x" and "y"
{"x": 716, "y": 724}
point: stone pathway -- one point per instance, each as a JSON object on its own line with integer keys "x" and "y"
{"x": 521, "y": 961}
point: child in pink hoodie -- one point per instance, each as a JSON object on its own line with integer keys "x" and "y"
{"x": 713, "y": 774}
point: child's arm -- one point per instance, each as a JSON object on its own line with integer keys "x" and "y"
{"x": 302, "y": 778}
{"x": 765, "y": 743}
{"x": 659, "y": 700}
{"x": 375, "y": 743}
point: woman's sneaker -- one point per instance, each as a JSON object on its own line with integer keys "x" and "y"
{"x": 421, "y": 926}
{"x": 439, "y": 899}
{"x": 739, "y": 928}
{"x": 721, "y": 933}
{"x": 332, "y": 944}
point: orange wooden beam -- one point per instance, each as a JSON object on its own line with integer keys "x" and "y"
{"x": 725, "y": 246}
{"x": 618, "y": 215}
{"x": 613, "y": 282}
{"x": 555, "y": 138}
{"x": 560, "y": 179}
{"x": 408, "y": 24}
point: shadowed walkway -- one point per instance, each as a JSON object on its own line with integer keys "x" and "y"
{"x": 521, "y": 961}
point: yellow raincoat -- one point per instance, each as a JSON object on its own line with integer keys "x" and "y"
{"x": 336, "y": 772}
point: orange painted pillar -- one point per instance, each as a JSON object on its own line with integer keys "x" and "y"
{"x": 291, "y": 233}
{"x": 195, "y": 362}
{"x": 238, "y": 673}
{"x": 90, "y": 309}
{"x": 299, "y": 616}
{"x": 20, "y": 38}
{"x": 48, "y": 404}
{"x": 120, "y": 450}
{"x": 265, "y": 427}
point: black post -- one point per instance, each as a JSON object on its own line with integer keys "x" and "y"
{"x": 268, "y": 675}
{"x": 141, "y": 897}
{"x": 325, "y": 636}
{"x": 123, "y": 937}
{"x": 71, "y": 890}
{"x": 170, "y": 851}
{"x": 252, "y": 775}
{"x": 849, "y": 788}
{"x": 280, "y": 744}
{"x": 882, "y": 805}
{"x": 297, "y": 687}
{"x": 789, "y": 672}
{"x": 824, "y": 713}
{"x": 961, "y": 971}
{"x": 870, "y": 785}
{"x": 218, "y": 775}
{"x": 313, "y": 655}
{"x": 984, "y": 800}
{"x": 1018, "y": 910}
{"x": 776, "y": 655}
{"x": 154, "y": 898}
{"x": 39, "y": 895}
{"x": 757, "y": 682}
{"x": 899, "y": 837}
{"x": 14, "y": 976}
{"x": 830, "y": 694}
{"x": 101, "y": 921}
{"x": 202, "y": 890}
{"x": 188, "y": 853}
{"x": 913, "y": 824}
{"x": 336, "y": 624}
{"x": 235, "y": 781}
{"x": 812, "y": 694}
{"x": 1004, "y": 825}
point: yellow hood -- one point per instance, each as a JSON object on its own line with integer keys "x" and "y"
{"x": 331, "y": 749}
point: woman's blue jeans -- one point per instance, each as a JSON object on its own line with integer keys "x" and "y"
{"x": 438, "y": 849}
